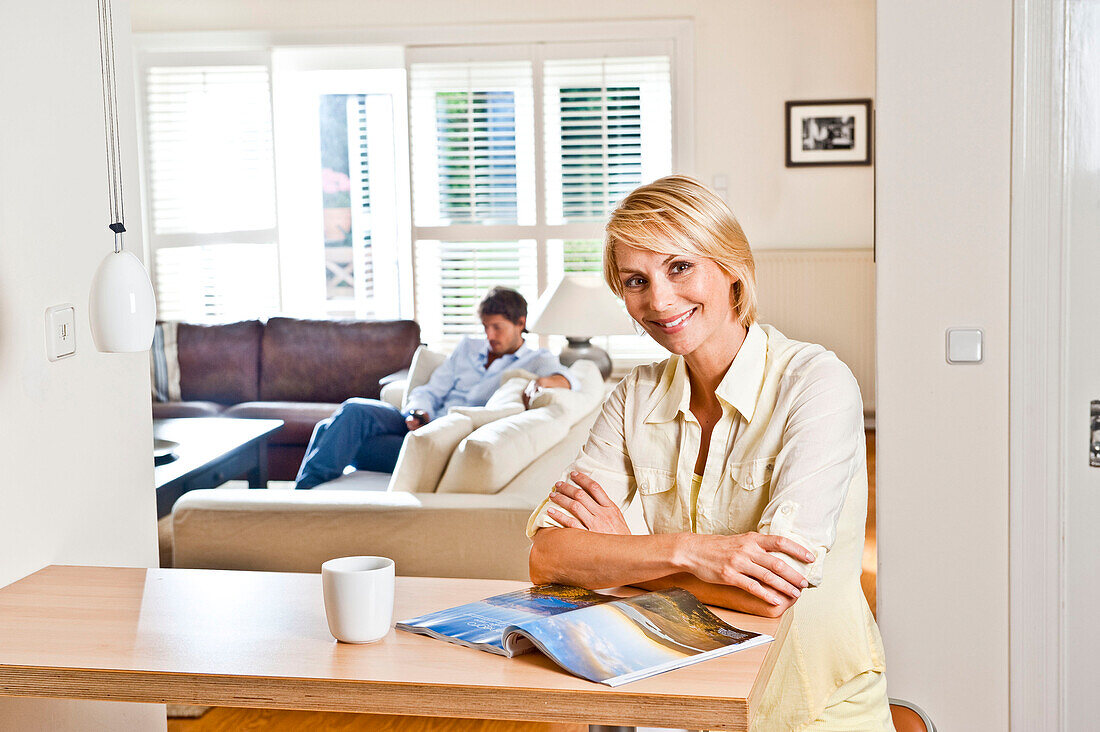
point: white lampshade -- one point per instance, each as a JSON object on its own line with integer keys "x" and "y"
{"x": 581, "y": 306}
{"x": 121, "y": 306}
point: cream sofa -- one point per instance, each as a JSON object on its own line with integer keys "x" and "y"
{"x": 435, "y": 516}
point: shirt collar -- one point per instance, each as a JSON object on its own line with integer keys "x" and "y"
{"x": 740, "y": 387}
{"x": 483, "y": 353}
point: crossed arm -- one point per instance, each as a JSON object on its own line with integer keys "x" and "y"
{"x": 734, "y": 571}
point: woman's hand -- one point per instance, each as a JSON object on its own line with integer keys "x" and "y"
{"x": 588, "y": 507}
{"x": 743, "y": 561}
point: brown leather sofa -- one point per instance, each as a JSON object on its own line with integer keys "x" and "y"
{"x": 294, "y": 370}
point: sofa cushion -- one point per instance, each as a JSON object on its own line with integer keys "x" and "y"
{"x": 219, "y": 363}
{"x": 481, "y": 416}
{"x": 575, "y": 403}
{"x": 164, "y": 363}
{"x": 330, "y": 361}
{"x": 424, "y": 362}
{"x": 493, "y": 454}
{"x": 505, "y": 401}
{"x": 358, "y": 480}
{"x": 426, "y": 451}
{"x": 172, "y": 410}
{"x": 299, "y": 418}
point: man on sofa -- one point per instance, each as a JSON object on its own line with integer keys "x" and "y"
{"x": 367, "y": 433}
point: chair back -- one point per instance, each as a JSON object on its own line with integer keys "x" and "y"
{"x": 908, "y": 717}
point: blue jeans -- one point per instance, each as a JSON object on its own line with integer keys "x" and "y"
{"x": 364, "y": 433}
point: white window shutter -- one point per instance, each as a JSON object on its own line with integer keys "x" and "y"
{"x": 472, "y": 142}
{"x": 211, "y": 164}
{"x": 607, "y": 125}
{"x": 452, "y": 277}
{"x": 217, "y": 282}
{"x": 211, "y": 185}
{"x": 359, "y": 164}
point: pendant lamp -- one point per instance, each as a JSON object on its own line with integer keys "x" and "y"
{"x": 121, "y": 306}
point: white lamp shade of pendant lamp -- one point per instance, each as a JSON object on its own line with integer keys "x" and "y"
{"x": 121, "y": 306}
{"x": 580, "y": 306}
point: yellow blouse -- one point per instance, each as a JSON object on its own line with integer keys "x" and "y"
{"x": 787, "y": 457}
{"x": 696, "y": 484}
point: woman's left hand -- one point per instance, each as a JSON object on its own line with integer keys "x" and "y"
{"x": 586, "y": 507}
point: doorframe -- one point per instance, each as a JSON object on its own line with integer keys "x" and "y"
{"x": 1037, "y": 367}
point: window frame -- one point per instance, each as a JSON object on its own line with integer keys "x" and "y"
{"x": 299, "y": 223}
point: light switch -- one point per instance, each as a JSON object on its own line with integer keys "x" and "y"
{"x": 964, "y": 345}
{"x": 60, "y": 331}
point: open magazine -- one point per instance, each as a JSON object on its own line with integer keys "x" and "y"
{"x": 611, "y": 640}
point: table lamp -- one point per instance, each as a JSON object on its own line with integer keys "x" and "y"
{"x": 580, "y": 307}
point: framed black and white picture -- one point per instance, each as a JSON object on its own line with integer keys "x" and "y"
{"x": 832, "y": 132}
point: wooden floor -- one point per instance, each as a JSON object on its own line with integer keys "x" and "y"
{"x": 225, "y": 719}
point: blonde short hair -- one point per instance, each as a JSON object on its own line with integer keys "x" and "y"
{"x": 679, "y": 215}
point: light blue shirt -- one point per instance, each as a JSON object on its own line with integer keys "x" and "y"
{"x": 464, "y": 381}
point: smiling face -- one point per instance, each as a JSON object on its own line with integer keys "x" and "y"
{"x": 682, "y": 300}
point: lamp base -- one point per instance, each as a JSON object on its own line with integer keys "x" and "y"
{"x": 578, "y": 348}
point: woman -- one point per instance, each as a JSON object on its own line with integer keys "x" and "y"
{"x": 747, "y": 450}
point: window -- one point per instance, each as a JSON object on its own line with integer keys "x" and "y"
{"x": 608, "y": 130}
{"x": 395, "y": 180}
{"x": 487, "y": 125}
{"x": 212, "y": 236}
{"x": 341, "y": 155}
{"x": 356, "y": 133}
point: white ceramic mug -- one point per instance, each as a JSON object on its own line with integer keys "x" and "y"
{"x": 358, "y": 597}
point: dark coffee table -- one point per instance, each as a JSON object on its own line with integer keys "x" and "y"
{"x": 211, "y": 451}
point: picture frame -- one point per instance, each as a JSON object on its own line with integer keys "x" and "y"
{"x": 828, "y": 132}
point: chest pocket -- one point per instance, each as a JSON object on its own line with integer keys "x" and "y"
{"x": 750, "y": 483}
{"x": 660, "y": 500}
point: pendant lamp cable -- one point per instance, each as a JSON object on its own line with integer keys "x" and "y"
{"x": 110, "y": 118}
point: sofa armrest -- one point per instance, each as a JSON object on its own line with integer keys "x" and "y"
{"x": 401, "y": 375}
{"x": 394, "y": 393}
{"x": 427, "y": 535}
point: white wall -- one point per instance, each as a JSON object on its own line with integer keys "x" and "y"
{"x": 77, "y": 479}
{"x": 944, "y": 116}
{"x": 751, "y": 57}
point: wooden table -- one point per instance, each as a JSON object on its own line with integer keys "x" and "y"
{"x": 259, "y": 639}
{"x": 212, "y": 450}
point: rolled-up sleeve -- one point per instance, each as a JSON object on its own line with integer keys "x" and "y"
{"x": 819, "y": 458}
{"x": 603, "y": 458}
{"x": 546, "y": 363}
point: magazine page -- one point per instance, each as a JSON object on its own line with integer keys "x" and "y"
{"x": 633, "y": 638}
{"x": 481, "y": 624}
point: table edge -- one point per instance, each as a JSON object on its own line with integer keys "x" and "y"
{"x": 596, "y": 706}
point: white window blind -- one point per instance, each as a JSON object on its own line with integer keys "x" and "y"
{"x": 452, "y": 277}
{"x": 210, "y": 153}
{"x": 211, "y": 196}
{"x": 608, "y": 129}
{"x": 472, "y": 142}
{"x": 359, "y": 161}
{"x": 359, "y": 164}
{"x": 217, "y": 282}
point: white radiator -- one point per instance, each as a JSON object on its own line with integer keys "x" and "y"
{"x": 824, "y": 296}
